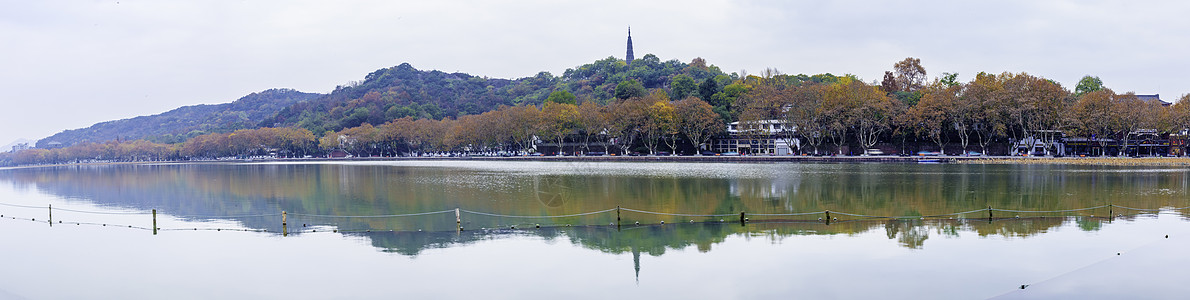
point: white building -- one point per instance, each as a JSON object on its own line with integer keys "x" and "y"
{"x": 767, "y": 137}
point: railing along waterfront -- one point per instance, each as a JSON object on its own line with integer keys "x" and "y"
{"x": 518, "y": 222}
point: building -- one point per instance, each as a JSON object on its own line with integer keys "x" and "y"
{"x": 767, "y": 137}
{"x": 21, "y": 147}
{"x": 628, "y": 57}
{"x": 1153, "y": 97}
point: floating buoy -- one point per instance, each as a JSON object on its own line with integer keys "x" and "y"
{"x": 537, "y": 225}
{"x": 637, "y": 223}
{"x": 691, "y": 221}
{"x": 662, "y": 222}
{"x": 720, "y": 220}
{"x": 567, "y": 225}
{"x": 836, "y": 219}
{"x": 820, "y": 219}
{"x": 511, "y": 227}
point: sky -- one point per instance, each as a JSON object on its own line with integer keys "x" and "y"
{"x": 70, "y": 64}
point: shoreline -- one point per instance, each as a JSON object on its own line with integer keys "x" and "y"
{"x": 1102, "y": 161}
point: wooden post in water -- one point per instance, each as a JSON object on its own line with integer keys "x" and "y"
{"x": 1111, "y": 215}
{"x": 828, "y": 217}
{"x": 742, "y": 219}
{"x": 617, "y": 216}
{"x": 154, "y": 221}
{"x": 284, "y": 223}
{"x": 458, "y": 220}
{"x": 51, "y": 215}
{"x": 989, "y": 213}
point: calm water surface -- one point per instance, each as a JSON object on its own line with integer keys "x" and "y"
{"x": 349, "y": 234}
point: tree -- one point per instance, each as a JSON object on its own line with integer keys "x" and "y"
{"x": 625, "y": 121}
{"x": 558, "y": 120}
{"x": 682, "y": 86}
{"x": 697, "y": 121}
{"x": 911, "y": 76}
{"x": 707, "y": 89}
{"x": 630, "y": 89}
{"x": 659, "y": 120}
{"x": 591, "y": 122}
{"x": 561, "y": 96}
{"x": 808, "y": 114}
{"x": 1096, "y": 119}
{"x": 949, "y": 79}
{"x": 1088, "y": 84}
{"x": 930, "y": 115}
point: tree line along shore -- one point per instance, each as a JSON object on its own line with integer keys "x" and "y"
{"x": 824, "y": 113}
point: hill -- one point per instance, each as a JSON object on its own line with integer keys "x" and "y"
{"x": 403, "y": 90}
{"x": 182, "y": 123}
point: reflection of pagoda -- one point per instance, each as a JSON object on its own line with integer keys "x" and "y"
{"x": 628, "y": 58}
{"x": 636, "y": 261}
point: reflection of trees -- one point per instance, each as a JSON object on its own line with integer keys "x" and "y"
{"x": 369, "y": 190}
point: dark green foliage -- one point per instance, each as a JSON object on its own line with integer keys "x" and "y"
{"x": 908, "y": 98}
{"x": 709, "y": 88}
{"x": 186, "y": 122}
{"x": 1088, "y": 84}
{"x": 562, "y": 97}
{"x": 950, "y": 79}
{"x": 630, "y": 89}
{"x": 682, "y": 86}
{"x": 403, "y": 91}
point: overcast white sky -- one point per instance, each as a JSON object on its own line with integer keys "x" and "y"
{"x": 69, "y": 64}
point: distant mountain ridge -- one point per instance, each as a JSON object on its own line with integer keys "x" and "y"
{"x": 404, "y": 91}
{"x": 387, "y": 94}
{"x": 182, "y": 123}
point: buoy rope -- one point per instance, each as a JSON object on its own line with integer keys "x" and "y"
{"x": 787, "y": 214}
{"x": 375, "y": 216}
{"x": 1048, "y": 211}
{"x": 672, "y": 214}
{"x": 102, "y": 212}
{"x": 231, "y": 216}
{"x": 536, "y": 217}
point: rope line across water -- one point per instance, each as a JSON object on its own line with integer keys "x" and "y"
{"x": 672, "y": 214}
{"x": 1048, "y": 211}
{"x": 536, "y": 217}
{"x": 376, "y": 216}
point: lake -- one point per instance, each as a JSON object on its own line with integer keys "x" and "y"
{"x": 529, "y": 230}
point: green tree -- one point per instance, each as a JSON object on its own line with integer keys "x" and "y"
{"x": 630, "y": 89}
{"x": 561, "y": 96}
{"x": 709, "y": 88}
{"x": 1088, "y": 84}
{"x": 682, "y": 86}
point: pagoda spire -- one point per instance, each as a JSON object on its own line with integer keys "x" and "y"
{"x": 629, "y": 57}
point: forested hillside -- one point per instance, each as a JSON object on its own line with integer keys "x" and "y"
{"x": 182, "y": 123}
{"x": 403, "y": 91}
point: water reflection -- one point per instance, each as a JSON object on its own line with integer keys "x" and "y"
{"x": 317, "y": 196}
